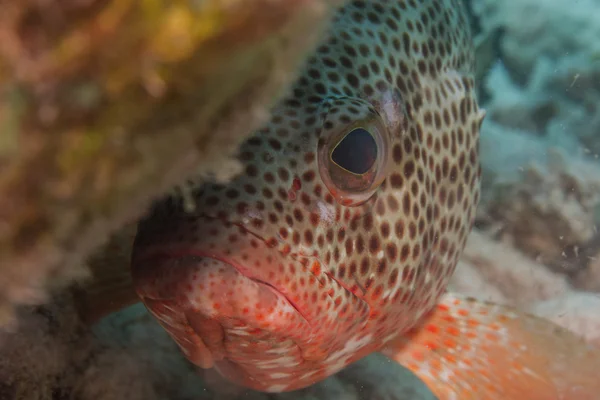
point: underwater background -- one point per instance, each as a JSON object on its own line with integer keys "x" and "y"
{"x": 535, "y": 244}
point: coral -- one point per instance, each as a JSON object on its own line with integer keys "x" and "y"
{"x": 540, "y": 142}
{"x": 497, "y": 272}
{"x": 576, "y": 310}
{"x": 546, "y": 78}
{"x": 502, "y": 274}
{"x": 107, "y": 104}
{"x": 588, "y": 278}
{"x": 540, "y": 199}
{"x": 540, "y": 30}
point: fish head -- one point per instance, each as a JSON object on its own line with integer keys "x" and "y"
{"x": 257, "y": 273}
{"x": 314, "y": 256}
{"x": 344, "y": 226}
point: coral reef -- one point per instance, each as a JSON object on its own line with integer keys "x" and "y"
{"x": 540, "y": 199}
{"x": 540, "y": 142}
{"x": 588, "y": 278}
{"x": 538, "y": 32}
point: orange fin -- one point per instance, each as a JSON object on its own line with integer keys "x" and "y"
{"x": 469, "y": 349}
{"x": 110, "y": 287}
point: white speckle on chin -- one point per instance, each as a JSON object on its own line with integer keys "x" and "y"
{"x": 390, "y": 337}
{"x": 280, "y": 362}
{"x": 336, "y": 367}
{"x": 240, "y": 332}
{"x": 278, "y": 350}
{"x": 279, "y": 375}
{"x": 276, "y": 388}
{"x": 308, "y": 374}
{"x": 339, "y": 359}
{"x": 352, "y": 346}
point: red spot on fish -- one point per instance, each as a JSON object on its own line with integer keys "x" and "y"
{"x": 491, "y": 337}
{"x": 452, "y": 330}
{"x": 449, "y": 319}
{"x": 449, "y": 343}
{"x": 473, "y": 323}
{"x": 286, "y": 249}
{"x": 315, "y": 268}
{"x": 418, "y": 356}
{"x": 296, "y": 186}
{"x": 494, "y": 326}
{"x": 431, "y": 345}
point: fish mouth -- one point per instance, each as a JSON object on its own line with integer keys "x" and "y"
{"x": 194, "y": 295}
{"x": 152, "y": 255}
{"x": 140, "y": 267}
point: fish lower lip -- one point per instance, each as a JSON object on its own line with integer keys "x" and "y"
{"x": 167, "y": 287}
{"x": 199, "y": 292}
{"x": 140, "y": 267}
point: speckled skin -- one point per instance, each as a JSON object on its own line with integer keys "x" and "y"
{"x": 298, "y": 267}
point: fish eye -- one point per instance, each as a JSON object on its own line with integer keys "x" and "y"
{"x": 356, "y": 152}
{"x": 353, "y": 150}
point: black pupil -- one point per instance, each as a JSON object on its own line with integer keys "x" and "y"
{"x": 356, "y": 152}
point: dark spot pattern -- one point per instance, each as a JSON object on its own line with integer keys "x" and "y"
{"x": 343, "y": 271}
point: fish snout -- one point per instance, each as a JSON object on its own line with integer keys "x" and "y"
{"x": 209, "y": 307}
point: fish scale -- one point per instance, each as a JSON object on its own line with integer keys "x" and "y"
{"x": 386, "y": 247}
{"x": 340, "y": 235}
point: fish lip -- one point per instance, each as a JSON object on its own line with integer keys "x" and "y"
{"x": 176, "y": 253}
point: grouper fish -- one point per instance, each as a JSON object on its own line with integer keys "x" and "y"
{"x": 339, "y": 237}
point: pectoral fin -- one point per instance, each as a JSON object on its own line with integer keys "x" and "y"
{"x": 468, "y": 349}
